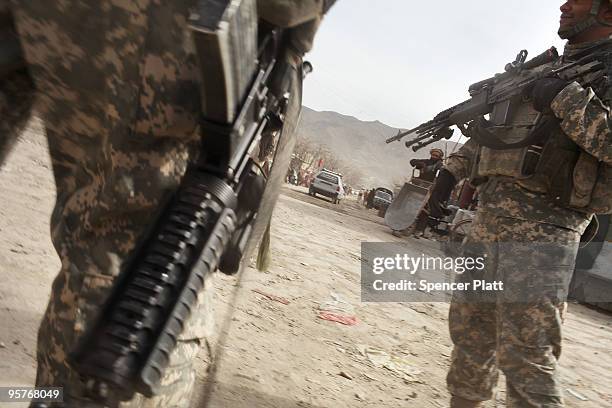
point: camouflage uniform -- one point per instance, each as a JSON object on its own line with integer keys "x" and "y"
{"x": 119, "y": 95}
{"x": 530, "y": 243}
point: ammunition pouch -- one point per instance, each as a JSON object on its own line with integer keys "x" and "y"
{"x": 553, "y": 173}
{"x": 505, "y": 163}
{"x": 601, "y": 195}
{"x": 557, "y": 168}
{"x": 572, "y": 178}
{"x": 584, "y": 178}
{"x": 585, "y": 186}
{"x": 503, "y": 155}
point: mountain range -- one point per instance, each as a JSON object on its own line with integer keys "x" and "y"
{"x": 360, "y": 145}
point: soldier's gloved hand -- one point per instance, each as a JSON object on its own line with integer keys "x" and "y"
{"x": 545, "y": 90}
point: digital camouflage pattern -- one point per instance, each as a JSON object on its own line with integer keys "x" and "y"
{"x": 118, "y": 92}
{"x": 515, "y": 218}
{"x": 585, "y": 119}
{"x": 459, "y": 163}
{"x": 303, "y": 16}
{"x": 506, "y": 197}
{"x": 293, "y": 13}
{"x": 120, "y": 108}
{"x": 517, "y": 330}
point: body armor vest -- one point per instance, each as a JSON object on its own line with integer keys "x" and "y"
{"x": 511, "y": 123}
{"x": 554, "y": 166}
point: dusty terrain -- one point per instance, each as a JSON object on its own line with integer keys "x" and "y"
{"x": 268, "y": 353}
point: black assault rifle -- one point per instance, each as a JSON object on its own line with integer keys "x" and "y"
{"x": 209, "y": 222}
{"x": 499, "y": 95}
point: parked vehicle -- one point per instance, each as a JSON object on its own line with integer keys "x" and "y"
{"x": 329, "y": 184}
{"x": 382, "y": 198}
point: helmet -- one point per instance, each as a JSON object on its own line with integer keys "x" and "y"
{"x": 590, "y": 21}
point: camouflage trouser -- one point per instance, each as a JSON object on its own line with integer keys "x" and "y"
{"x": 517, "y": 330}
{"x": 56, "y": 337}
{"x": 118, "y": 85}
{"x": 119, "y": 95}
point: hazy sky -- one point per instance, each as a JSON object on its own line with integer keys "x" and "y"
{"x": 402, "y": 61}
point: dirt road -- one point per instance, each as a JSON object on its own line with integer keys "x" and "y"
{"x": 272, "y": 349}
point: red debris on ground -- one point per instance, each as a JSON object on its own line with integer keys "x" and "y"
{"x": 272, "y": 297}
{"x": 338, "y": 318}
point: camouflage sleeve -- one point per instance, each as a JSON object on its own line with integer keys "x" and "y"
{"x": 585, "y": 119}
{"x": 301, "y": 17}
{"x": 460, "y": 162}
{"x": 302, "y": 36}
{"x": 291, "y": 13}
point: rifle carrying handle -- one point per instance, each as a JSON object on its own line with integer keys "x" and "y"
{"x": 544, "y": 58}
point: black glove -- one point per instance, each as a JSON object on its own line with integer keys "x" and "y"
{"x": 417, "y": 163}
{"x": 545, "y": 90}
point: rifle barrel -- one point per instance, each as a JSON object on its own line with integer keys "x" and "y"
{"x": 418, "y": 139}
{"x": 440, "y": 133}
{"x": 423, "y": 144}
{"x": 422, "y": 128}
{"x": 396, "y": 137}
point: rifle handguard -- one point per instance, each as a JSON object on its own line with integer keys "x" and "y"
{"x": 148, "y": 308}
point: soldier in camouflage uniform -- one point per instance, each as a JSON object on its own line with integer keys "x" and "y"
{"x": 119, "y": 95}
{"x": 529, "y": 229}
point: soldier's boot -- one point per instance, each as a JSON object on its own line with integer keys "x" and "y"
{"x": 458, "y": 402}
